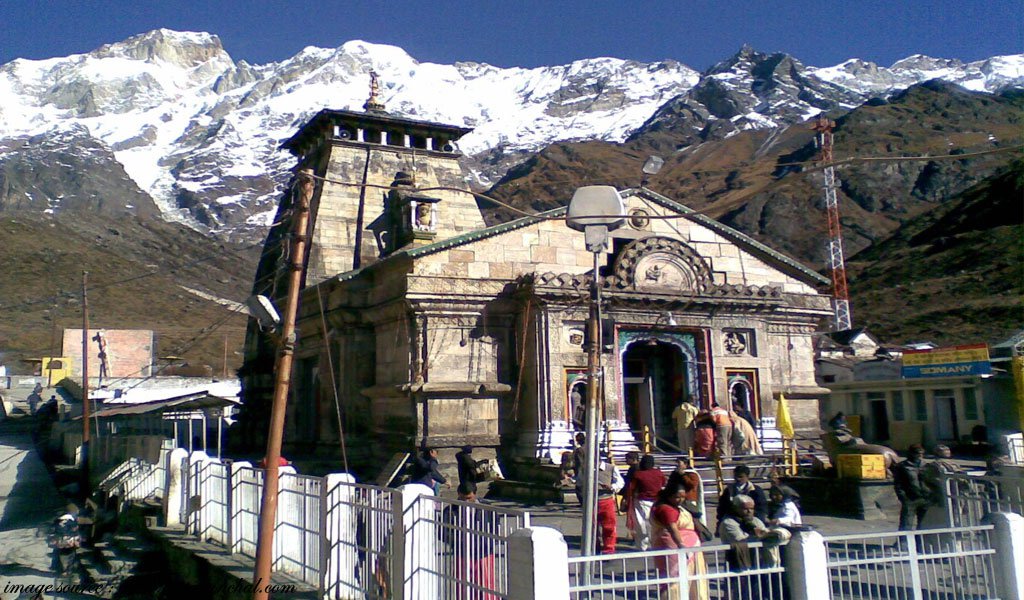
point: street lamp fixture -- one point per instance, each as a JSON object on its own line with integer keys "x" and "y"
{"x": 652, "y": 165}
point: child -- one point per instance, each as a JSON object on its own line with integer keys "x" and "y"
{"x": 782, "y": 510}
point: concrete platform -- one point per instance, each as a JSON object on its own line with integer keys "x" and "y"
{"x": 221, "y": 576}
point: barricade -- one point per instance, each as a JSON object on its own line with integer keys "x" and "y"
{"x": 297, "y": 531}
{"x": 209, "y": 492}
{"x": 952, "y": 564}
{"x": 719, "y": 571}
{"x": 246, "y": 492}
{"x": 358, "y": 521}
{"x": 459, "y": 549}
{"x": 969, "y": 498}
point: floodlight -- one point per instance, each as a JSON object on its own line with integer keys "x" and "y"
{"x": 262, "y": 309}
{"x": 653, "y": 164}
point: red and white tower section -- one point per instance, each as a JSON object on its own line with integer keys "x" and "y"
{"x": 843, "y": 319}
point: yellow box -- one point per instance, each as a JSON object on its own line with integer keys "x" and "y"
{"x": 861, "y": 466}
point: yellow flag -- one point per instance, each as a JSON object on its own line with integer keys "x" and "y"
{"x": 782, "y": 420}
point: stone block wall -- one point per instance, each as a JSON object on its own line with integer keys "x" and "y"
{"x": 336, "y": 207}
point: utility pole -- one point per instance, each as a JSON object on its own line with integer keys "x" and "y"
{"x": 225, "y": 357}
{"x": 85, "y": 385}
{"x": 282, "y": 371}
{"x": 843, "y": 318}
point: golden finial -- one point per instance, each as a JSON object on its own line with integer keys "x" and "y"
{"x": 373, "y": 103}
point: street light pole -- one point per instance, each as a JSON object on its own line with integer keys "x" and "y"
{"x": 590, "y": 448}
{"x": 282, "y": 372}
{"x": 594, "y": 210}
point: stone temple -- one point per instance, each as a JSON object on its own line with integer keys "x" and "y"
{"x": 420, "y": 325}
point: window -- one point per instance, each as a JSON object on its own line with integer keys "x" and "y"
{"x": 829, "y": 378}
{"x": 920, "y": 406}
{"x": 897, "y": 407}
{"x": 970, "y": 405}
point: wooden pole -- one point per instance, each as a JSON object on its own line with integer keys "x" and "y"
{"x": 85, "y": 385}
{"x": 282, "y": 372}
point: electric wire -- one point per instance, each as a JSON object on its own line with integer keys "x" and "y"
{"x": 814, "y": 167}
{"x": 101, "y": 286}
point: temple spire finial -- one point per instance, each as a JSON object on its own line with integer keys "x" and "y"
{"x": 373, "y": 103}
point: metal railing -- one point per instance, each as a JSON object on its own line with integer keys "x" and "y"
{"x": 969, "y": 498}
{"x": 145, "y": 481}
{"x": 297, "y": 531}
{"x": 1015, "y": 448}
{"x": 941, "y": 564}
{"x": 358, "y": 525}
{"x": 721, "y": 572}
{"x": 209, "y": 496}
{"x": 459, "y": 550}
{"x": 246, "y": 492}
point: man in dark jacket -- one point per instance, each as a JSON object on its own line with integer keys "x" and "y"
{"x": 467, "y": 466}
{"x": 911, "y": 490}
{"x": 425, "y": 470}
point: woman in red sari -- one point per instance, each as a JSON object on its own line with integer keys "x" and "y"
{"x": 641, "y": 493}
{"x": 672, "y": 526}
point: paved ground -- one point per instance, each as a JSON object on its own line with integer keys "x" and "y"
{"x": 28, "y": 502}
{"x": 568, "y": 519}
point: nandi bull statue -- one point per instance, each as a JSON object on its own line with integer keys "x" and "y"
{"x": 840, "y": 440}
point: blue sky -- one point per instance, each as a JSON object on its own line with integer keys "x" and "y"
{"x": 531, "y": 33}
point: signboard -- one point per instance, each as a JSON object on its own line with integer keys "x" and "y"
{"x": 956, "y": 361}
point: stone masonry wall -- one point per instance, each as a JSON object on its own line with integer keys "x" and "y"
{"x": 337, "y": 206}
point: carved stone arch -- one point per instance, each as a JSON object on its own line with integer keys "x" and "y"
{"x": 661, "y": 264}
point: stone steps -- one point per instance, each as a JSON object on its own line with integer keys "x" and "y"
{"x": 108, "y": 563}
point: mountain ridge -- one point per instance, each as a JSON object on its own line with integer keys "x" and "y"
{"x": 199, "y": 131}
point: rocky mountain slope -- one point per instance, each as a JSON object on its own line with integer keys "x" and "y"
{"x": 119, "y": 161}
{"x": 764, "y": 182}
{"x": 953, "y": 274}
{"x": 199, "y": 132}
{"x": 143, "y": 273}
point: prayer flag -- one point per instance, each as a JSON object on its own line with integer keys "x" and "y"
{"x": 782, "y": 420}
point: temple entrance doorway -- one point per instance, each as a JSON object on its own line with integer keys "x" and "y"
{"x": 654, "y": 382}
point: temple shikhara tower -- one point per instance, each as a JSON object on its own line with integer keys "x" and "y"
{"x": 420, "y": 325}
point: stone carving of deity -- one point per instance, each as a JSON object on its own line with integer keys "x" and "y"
{"x": 735, "y": 342}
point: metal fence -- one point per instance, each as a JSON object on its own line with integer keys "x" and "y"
{"x": 297, "y": 531}
{"x": 209, "y": 497}
{"x": 970, "y": 498}
{"x": 145, "y": 481}
{"x": 720, "y": 572}
{"x": 358, "y": 525}
{"x": 246, "y": 492}
{"x": 1015, "y": 448}
{"x": 459, "y": 550}
{"x": 937, "y": 564}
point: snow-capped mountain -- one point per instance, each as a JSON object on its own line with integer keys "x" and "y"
{"x": 753, "y": 90}
{"x": 199, "y": 132}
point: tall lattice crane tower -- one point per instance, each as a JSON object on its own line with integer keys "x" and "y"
{"x": 843, "y": 319}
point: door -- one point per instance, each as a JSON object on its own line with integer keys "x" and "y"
{"x": 945, "y": 415}
{"x": 880, "y": 420}
{"x": 653, "y": 384}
